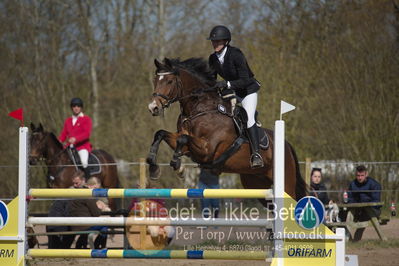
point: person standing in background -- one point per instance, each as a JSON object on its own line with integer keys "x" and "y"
{"x": 365, "y": 189}
{"x": 209, "y": 180}
{"x": 318, "y": 189}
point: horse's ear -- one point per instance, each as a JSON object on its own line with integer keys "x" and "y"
{"x": 40, "y": 128}
{"x": 168, "y": 63}
{"x": 157, "y": 63}
{"x": 32, "y": 126}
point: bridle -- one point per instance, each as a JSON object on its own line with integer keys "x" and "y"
{"x": 169, "y": 100}
{"x": 39, "y": 158}
{"x": 43, "y": 157}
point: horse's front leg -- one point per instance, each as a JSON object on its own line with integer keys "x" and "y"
{"x": 181, "y": 142}
{"x": 170, "y": 139}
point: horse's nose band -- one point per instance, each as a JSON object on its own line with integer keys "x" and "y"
{"x": 165, "y": 73}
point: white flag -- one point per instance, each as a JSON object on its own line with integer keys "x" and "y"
{"x": 285, "y": 108}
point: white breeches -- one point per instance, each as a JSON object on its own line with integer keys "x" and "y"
{"x": 84, "y": 157}
{"x": 154, "y": 230}
{"x": 249, "y": 103}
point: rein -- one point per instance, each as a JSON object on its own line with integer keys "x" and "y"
{"x": 192, "y": 117}
{"x": 43, "y": 158}
{"x": 197, "y": 92}
{"x": 60, "y": 168}
{"x": 170, "y": 100}
{"x": 52, "y": 160}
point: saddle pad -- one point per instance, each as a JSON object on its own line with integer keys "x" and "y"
{"x": 94, "y": 164}
{"x": 263, "y": 137}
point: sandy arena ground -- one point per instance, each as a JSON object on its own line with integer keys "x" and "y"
{"x": 373, "y": 256}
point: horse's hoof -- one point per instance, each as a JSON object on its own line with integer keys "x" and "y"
{"x": 155, "y": 172}
{"x": 175, "y": 164}
{"x": 181, "y": 172}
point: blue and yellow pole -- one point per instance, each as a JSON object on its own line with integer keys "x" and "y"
{"x": 149, "y": 254}
{"x": 151, "y": 193}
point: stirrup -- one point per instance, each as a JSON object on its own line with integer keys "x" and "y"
{"x": 256, "y": 160}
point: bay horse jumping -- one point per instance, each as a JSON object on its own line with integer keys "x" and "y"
{"x": 204, "y": 133}
{"x": 60, "y": 168}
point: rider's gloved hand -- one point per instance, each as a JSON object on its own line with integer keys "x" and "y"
{"x": 72, "y": 140}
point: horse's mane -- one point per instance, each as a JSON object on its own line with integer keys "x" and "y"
{"x": 55, "y": 139}
{"x": 198, "y": 67}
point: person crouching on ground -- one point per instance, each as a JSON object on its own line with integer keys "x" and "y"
{"x": 82, "y": 208}
{"x": 100, "y": 240}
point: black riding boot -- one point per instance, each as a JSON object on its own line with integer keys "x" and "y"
{"x": 87, "y": 173}
{"x": 256, "y": 159}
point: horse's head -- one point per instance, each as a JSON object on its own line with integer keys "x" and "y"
{"x": 177, "y": 80}
{"x": 167, "y": 85}
{"x": 37, "y": 143}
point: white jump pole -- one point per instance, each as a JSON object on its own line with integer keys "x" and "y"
{"x": 340, "y": 246}
{"x": 127, "y": 221}
{"x": 22, "y": 190}
{"x": 279, "y": 180}
{"x": 278, "y": 188}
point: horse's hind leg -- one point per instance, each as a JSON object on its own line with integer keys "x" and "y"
{"x": 160, "y": 135}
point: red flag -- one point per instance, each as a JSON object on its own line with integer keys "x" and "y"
{"x": 18, "y": 114}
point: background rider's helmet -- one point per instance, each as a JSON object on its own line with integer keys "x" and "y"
{"x": 76, "y": 101}
{"x": 220, "y": 33}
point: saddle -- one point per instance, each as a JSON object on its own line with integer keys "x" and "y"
{"x": 240, "y": 119}
{"x": 93, "y": 165}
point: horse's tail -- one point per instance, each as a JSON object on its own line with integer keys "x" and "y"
{"x": 301, "y": 189}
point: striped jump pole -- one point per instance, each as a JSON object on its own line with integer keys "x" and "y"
{"x": 147, "y": 254}
{"x": 165, "y": 193}
{"x": 13, "y": 216}
{"x": 128, "y": 221}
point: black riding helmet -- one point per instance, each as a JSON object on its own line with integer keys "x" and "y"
{"x": 76, "y": 102}
{"x": 219, "y": 33}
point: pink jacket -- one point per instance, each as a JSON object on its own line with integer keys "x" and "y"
{"x": 81, "y": 131}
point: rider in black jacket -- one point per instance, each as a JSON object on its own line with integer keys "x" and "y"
{"x": 230, "y": 63}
